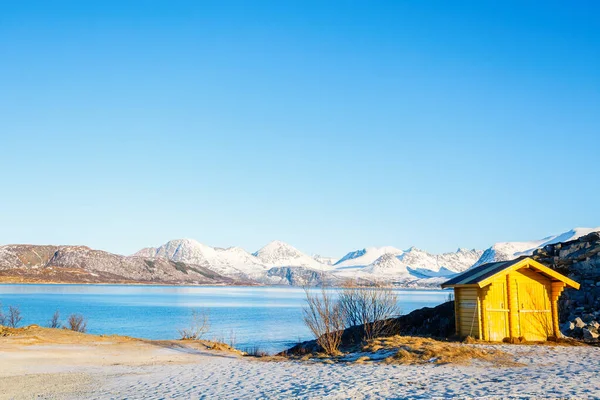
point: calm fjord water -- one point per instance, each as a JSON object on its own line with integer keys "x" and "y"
{"x": 267, "y": 317}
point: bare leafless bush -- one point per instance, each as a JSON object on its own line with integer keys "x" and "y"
{"x": 255, "y": 351}
{"x": 232, "y": 338}
{"x": 2, "y": 317}
{"x": 324, "y": 317}
{"x": 77, "y": 323}
{"x": 372, "y": 308}
{"x": 54, "y": 322}
{"x": 199, "y": 326}
{"x": 14, "y": 317}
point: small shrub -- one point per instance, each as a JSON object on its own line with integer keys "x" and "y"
{"x": 371, "y": 308}
{"x": 77, "y": 323}
{"x": 54, "y": 322}
{"x": 199, "y": 326}
{"x": 255, "y": 351}
{"x": 469, "y": 340}
{"x": 14, "y": 317}
{"x": 324, "y": 316}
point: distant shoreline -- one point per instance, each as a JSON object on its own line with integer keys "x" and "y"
{"x": 133, "y": 283}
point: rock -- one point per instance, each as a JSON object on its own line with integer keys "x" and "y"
{"x": 590, "y": 334}
{"x": 577, "y": 333}
{"x": 587, "y": 318}
{"x": 579, "y": 323}
{"x": 567, "y": 327}
{"x": 594, "y": 324}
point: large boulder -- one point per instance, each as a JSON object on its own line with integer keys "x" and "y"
{"x": 567, "y": 328}
{"x": 579, "y": 323}
{"x": 590, "y": 333}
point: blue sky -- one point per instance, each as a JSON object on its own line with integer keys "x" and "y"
{"x": 332, "y": 125}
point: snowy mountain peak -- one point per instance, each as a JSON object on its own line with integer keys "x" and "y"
{"x": 352, "y": 255}
{"x": 275, "y": 245}
{"x": 366, "y": 256}
{"x": 232, "y": 249}
{"x": 277, "y": 249}
{"x": 187, "y": 250}
{"x": 278, "y": 253}
{"x": 503, "y": 251}
{"x": 457, "y": 262}
{"x": 386, "y": 265}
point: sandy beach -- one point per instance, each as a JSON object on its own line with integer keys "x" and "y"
{"x": 43, "y": 363}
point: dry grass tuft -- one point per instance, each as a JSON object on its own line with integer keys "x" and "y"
{"x": 219, "y": 346}
{"x": 415, "y": 350}
{"x": 470, "y": 340}
{"x": 7, "y": 331}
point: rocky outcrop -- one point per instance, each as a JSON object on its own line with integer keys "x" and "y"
{"x": 80, "y": 264}
{"x": 580, "y": 260}
{"x": 580, "y": 329}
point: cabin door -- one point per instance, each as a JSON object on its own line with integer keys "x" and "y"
{"x": 535, "y": 314}
{"x": 497, "y": 312}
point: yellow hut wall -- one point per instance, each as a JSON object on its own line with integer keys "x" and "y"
{"x": 520, "y": 304}
{"x": 467, "y": 308}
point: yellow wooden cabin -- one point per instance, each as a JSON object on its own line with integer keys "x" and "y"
{"x": 509, "y": 299}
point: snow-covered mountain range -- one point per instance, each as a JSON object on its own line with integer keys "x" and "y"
{"x": 281, "y": 263}
{"x": 234, "y": 262}
{"x": 277, "y": 263}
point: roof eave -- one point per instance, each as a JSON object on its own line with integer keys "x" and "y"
{"x": 455, "y": 285}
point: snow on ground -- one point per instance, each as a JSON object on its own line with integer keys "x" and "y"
{"x": 549, "y": 372}
{"x": 555, "y": 372}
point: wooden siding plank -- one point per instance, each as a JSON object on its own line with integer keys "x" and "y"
{"x": 456, "y": 310}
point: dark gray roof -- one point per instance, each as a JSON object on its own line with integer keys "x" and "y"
{"x": 481, "y": 272}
